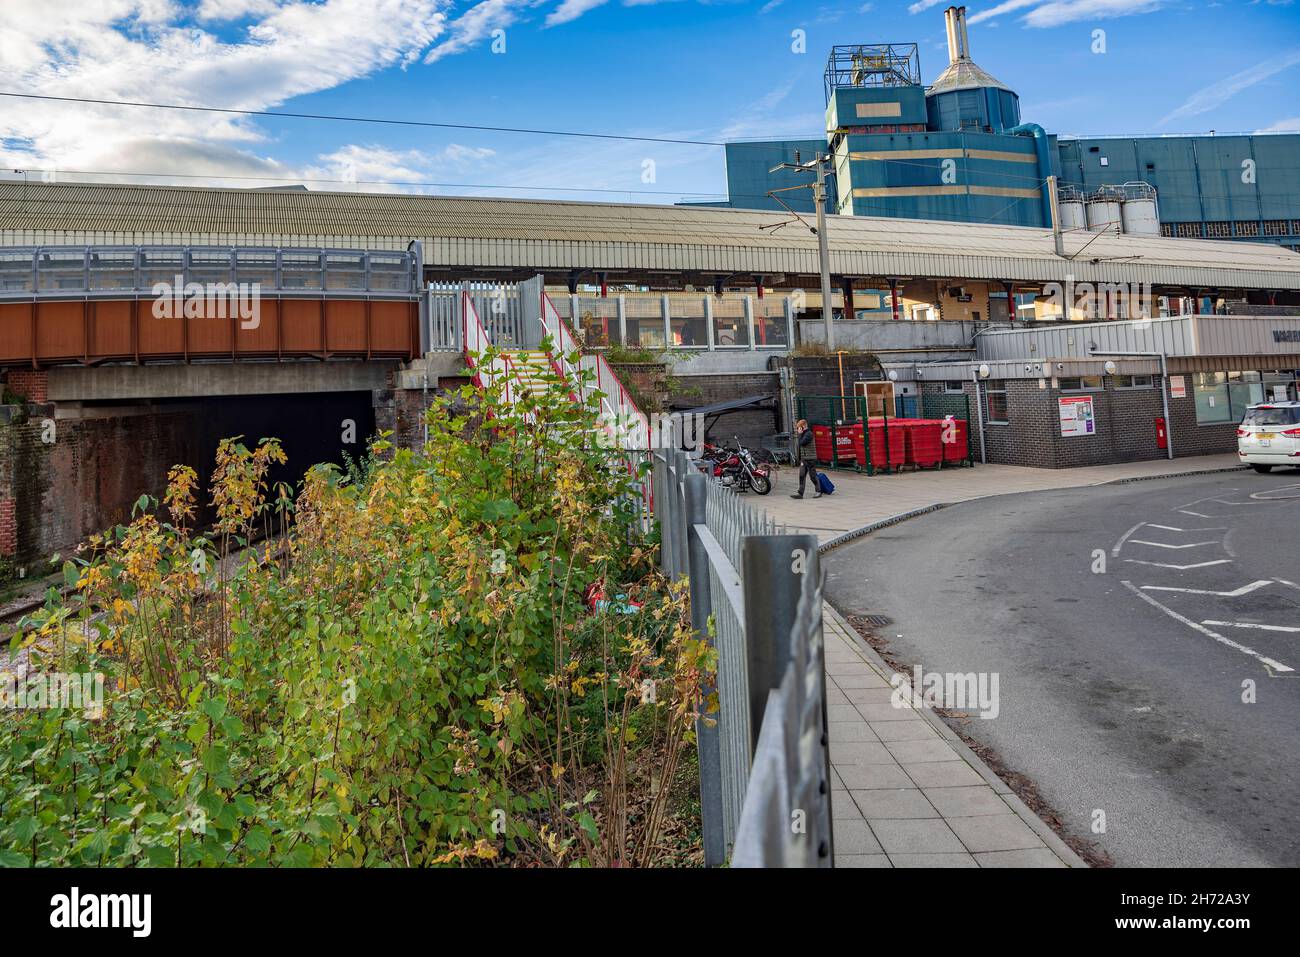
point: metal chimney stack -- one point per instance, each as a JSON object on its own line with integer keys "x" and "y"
{"x": 954, "y": 19}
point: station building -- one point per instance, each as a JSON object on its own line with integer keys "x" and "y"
{"x": 1101, "y": 393}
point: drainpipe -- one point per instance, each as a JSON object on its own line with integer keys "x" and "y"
{"x": 1044, "y": 167}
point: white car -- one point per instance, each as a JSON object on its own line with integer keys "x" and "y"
{"x": 1269, "y": 435}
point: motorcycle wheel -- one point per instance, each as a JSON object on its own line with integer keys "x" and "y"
{"x": 762, "y": 484}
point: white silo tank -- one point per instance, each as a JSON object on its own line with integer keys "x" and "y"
{"x": 1103, "y": 212}
{"x": 1140, "y": 215}
{"x": 1072, "y": 215}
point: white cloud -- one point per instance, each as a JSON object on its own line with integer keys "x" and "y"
{"x": 1010, "y": 6}
{"x": 213, "y": 10}
{"x": 921, "y": 5}
{"x": 148, "y": 50}
{"x": 1283, "y": 126}
{"x": 1209, "y": 97}
{"x": 1054, "y": 13}
{"x": 477, "y": 23}
{"x": 570, "y": 10}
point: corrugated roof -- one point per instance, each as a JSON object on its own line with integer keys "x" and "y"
{"x": 486, "y": 232}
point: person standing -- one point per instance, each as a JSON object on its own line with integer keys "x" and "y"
{"x": 807, "y": 460}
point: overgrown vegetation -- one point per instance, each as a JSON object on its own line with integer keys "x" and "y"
{"x": 409, "y": 669}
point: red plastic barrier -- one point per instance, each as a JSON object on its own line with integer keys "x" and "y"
{"x": 844, "y": 443}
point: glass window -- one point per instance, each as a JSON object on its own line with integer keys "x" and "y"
{"x": 730, "y": 327}
{"x": 1134, "y": 381}
{"x": 688, "y": 326}
{"x": 770, "y": 323}
{"x": 1287, "y": 415}
{"x": 1224, "y": 396}
{"x": 953, "y": 386}
{"x": 996, "y": 394}
{"x": 1080, "y": 383}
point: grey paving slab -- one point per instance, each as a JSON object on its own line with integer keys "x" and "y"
{"x": 866, "y": 695}
{"x": 885, "y": 712}
{"x": 932, "y": 860}
{"x": 842, "y": 712}
{"x": 916, "y": 837}
{"x": 861, "y": 860}
{"x": 861, "y": 776}
{"x": 850, "y": 731}
{"x": 874, "y": 776}
{"x": 1030, "y": 857}
{"x": 919, "y": 752}
{"x": 893, "y": 803}
{"x": 855, "y": 837}
{"x": 943, "y": 774}
{"x": 916, "y": 730}
{"x": 1004, "y": 832}
{"x": 975, "y": 801}
{"x": 848, "y": 754}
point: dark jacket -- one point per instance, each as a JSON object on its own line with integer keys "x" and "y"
{"x": 806, "y": 451}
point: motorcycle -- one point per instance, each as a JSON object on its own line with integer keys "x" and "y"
{"x": 738, "y": 470}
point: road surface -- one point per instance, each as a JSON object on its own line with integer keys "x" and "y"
{"x": 1146, "y": 638}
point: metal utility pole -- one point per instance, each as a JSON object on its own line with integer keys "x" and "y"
{"x": 818, "y": 187}
{"x": 823, "y": 249}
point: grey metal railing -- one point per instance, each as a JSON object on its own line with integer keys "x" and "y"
{"x": 764, "y": 763}
{"x": 107, "y": 272}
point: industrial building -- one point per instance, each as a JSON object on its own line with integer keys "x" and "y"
{"x": 959, "y": 150}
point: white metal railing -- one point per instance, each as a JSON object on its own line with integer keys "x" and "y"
{"x": 486, "y": 371}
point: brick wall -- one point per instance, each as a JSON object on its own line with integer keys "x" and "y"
{"x": 55, "y": 494}
{"x": 814, "y": 375}
{"x": 32, "y": 385}
{"x": 1125, "y": 421}
{"x": 751, "y": 426}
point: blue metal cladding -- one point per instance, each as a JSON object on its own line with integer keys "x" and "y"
{"x": 1201, "y": 179}
{"x": 976, "y": 109}
{"x": 749, "y": 179}
{"x": 949, "y": 198}
{"x": 843, "y": 111}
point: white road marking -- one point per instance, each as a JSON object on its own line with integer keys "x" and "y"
{"x": 1124, "y": 538}
{"x": 1249, "y": 624}
{"x": 1275, "y": 665}
{"x": 1217, "y": 561}
{"x": 1236, "y": 593}
{"x": 1274, "y": 494}
{"x": 1139, "y": 541}
{"x": 1170, "y": 528}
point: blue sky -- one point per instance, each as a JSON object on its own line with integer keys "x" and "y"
{"x": 720, "y": 70}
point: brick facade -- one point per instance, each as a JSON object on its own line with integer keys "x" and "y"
{"x": 30, "y": 384}
{"x": 55, "y": 494}
{"x": 1125, "y": 421}
{"x": 751, "y": 426}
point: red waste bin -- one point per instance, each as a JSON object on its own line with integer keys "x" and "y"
{"x": 843, "y": 443}
{"x": 924, "y": 442}
{"x": 955, "y": 439}
{"x": 897, "y": 444}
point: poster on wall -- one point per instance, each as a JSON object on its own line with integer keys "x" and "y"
{"x": 1076, "y": 415}
{"x": 1177, "y": 387}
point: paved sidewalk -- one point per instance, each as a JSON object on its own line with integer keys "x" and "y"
{"x": 906, "y": 792}
{"x": 861, "y": 500}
